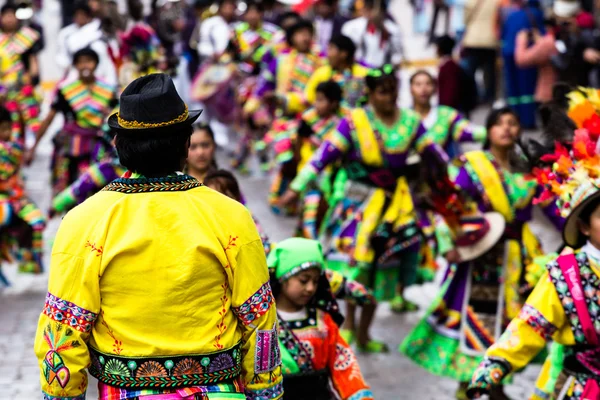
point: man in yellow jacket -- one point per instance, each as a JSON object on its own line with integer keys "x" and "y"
{"x": 158, "y": 285}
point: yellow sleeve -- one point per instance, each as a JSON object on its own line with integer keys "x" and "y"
{"x": 71, "y": 308}
{"x": 319, "y": 76}
{"x": 253, "y": 304}
{"x": 541, "y": 319}
{"x": 294, "y": 102}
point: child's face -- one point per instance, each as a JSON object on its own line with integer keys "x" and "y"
{"x": 324, "y": 107}
{"x": 5, "y": 130}
{"x": 592, "y": 231}
{"x": 301, "y": 288}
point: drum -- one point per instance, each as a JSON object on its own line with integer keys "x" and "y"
{"x": 214, "y": 88}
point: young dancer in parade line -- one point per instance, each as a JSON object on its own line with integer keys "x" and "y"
{"x": 201, "y": 154}
{"x": 21, "y": 222}
{"x": 479, "y": 297}
{"x": 563, "y": 307}
{"x": 294, "y": 146}
{"x": 447, "y": 128}
{"x": 220, "y": 345}
{"x": 283, "y": 83}
{"x": 373, "y": 228}
{"x": 315, "y": 357}
{"x": 253, "y": 36}
{"x": 342, "y": 69}
{"x": 19, "y": 70}
{"x": 140, "y": 47}
{"x": 92, "y": 181}
{"x": 85, "y": 103}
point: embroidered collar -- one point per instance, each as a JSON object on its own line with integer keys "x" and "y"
{"x": 173, "y": 183}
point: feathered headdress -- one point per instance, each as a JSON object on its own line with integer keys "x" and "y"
{"x": 572, "y": 175}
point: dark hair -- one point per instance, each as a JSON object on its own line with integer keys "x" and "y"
{"x": 344, "y": 43}
{"x": 331, "y": 90}
{"x": 86, "y": 52}
{"x": 422, "y": 72}
{"x": 258, "y": 5}
{"x": 225, "y": 178}
{"x": 84, "y": 7}
{"x": 8, "y": 7}
{"x": 222, "y": 2}
{"x": 445, "y": 45}
{"x": 494, "y": 117}
{"x": 298, "y": 26}
{"x": 5, "y": 115}
{"x": 585, "y": 216}
{"x": 135, "y": 9}
{"x": 205, "y": 127}
{"x": 288, "y": 15}
{"x": 496, "y": 113}
{"x": 153, "y": 154}
{"x": 378, "y": 77}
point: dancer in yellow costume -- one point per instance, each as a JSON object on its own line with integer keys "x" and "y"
{"x": 563, "y": 307}
{"x": 158, "y": 285}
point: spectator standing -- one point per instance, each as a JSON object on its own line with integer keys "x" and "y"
{"x": 439, "y": 6}
{"x": 85, "y": 32}
{"x": 449, "y": 75}
{"x": 520, "y": 83}
{"x": 377, "y": 37}
{"x": 328, "y": 22}
{"x": 216, "y": 32}
{"x": 480, "y": 43}
{"x": 576, "y": 53}
{"x": 538, "y": 55}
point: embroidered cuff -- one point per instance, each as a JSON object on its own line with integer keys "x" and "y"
{"x": 256, "y": 306}
{"x": 537, "y": 322}
{"x": 490, "y": 373}
{"x": 274, "y": 392}
{"x": 69, "y": 313}
{"x": 363, "y": 394}
{"x": 306, "y": 175}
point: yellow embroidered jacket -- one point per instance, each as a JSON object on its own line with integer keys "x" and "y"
{"x": 158, "y": 283}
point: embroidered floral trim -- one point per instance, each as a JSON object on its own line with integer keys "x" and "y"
{"x": 68, "y": 313}
{"x": 537, "y": 321}
{"x": 59, "y": 338}
{"x": 490, "y": 373}
{"x": 50, "y": 397}
{"x": 256, "y": 306}
{"x": 166, "y": 372}
{"x": 98, "y": 250}
{"x": 300, "y": 268}
{"x": 268, "y": 356}
{"x": 265, "y": 394}
{"x": 142, "y": 185}
{"x": 591, "y": 285}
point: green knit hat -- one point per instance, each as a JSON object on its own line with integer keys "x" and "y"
{"x": 293, "y": 256}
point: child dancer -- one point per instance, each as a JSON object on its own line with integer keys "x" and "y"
{"x": 316, "y": 360}
{"x": 21, "y": 221}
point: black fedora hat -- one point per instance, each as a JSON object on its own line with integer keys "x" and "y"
{"x": 151, "y": 103}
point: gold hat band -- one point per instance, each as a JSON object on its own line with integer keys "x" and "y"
{"x": 146, "y": 125}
